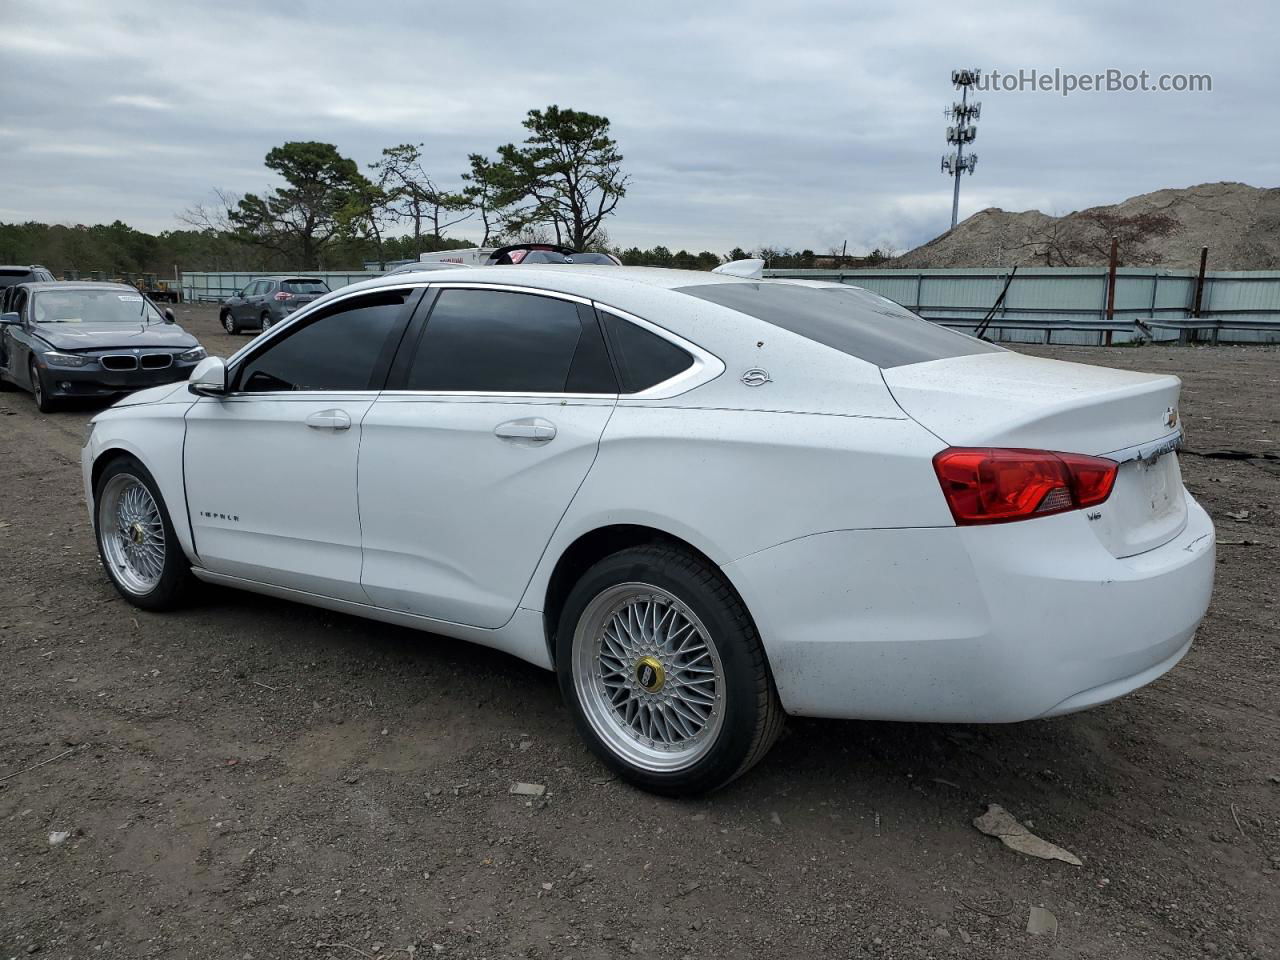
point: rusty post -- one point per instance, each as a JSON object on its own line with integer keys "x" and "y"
{"x": 1111, "y": 285}
{"x": 1195, "y": 305}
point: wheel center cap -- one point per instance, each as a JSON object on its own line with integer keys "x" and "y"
{"x": 137, "y": 534}
{"x": 649, "y": 674}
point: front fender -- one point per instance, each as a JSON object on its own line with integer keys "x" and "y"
{"x": 154, "y": 435}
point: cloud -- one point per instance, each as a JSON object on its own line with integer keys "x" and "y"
{"x": 806, "y": 124}
{"x": 140, "y": 100}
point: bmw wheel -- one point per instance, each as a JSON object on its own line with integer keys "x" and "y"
{"x": 229, "y": 323}
{"x": 39, "y": 390}
{"x": 135, "y": 536}
{"x": 664, "y": 673}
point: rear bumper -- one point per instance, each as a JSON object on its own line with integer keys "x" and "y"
{"x": 977, "y": 624}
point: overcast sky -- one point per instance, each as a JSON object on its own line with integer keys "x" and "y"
{"x": 788, "y": 124}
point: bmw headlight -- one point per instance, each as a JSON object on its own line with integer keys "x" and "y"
{"x": 192, "y": 355}
{"x": 66, "y": 359}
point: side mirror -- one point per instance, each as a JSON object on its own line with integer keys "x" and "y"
{"x": 209, "y": 378}
{"x": 169, "y": 316}
{"x": 10, "y": 319}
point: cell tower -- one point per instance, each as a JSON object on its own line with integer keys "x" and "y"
{"x": 962, "y": 132}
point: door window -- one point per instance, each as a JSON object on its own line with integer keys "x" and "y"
{"x": 343, "y": 349}
{"x": 494, "y": 341}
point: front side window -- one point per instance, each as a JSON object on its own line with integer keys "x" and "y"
{"x": 340, "y": 349}
{"x": 849, "y": 319}
{"x": 494, "y": 341}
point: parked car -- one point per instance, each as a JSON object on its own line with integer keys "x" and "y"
{"x": 266, "y": 301}
{"x": 11, "y": 275}
{"x": 69, "y": 339}
{"x": 705, "y": 501}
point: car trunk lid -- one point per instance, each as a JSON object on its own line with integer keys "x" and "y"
{"x": 1008, "y": 399}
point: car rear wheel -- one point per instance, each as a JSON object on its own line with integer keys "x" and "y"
{"x": 664, "y": 673}
{"x": 40, "y": 391}
{"x": 229, "y": 323}
{"x": 266, "y": 321}
{"x": 136, "y": 540}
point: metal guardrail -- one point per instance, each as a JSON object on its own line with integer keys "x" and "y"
{"x": 1188, "y": 329}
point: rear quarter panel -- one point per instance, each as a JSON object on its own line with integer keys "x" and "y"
{"x": 734, "y": 482}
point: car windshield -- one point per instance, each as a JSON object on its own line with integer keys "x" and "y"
{"x": 847, "y": 318}
{"x": 305, "y": 286}
{"x": 592, "y": 258}
{"x": 112, "y": 305}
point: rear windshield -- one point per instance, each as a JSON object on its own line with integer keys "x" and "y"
{"x": 9, "y": 277}
{"x": 849, "y": 319}
{"x": 306, "y": 286}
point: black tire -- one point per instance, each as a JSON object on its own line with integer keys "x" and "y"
{"x": 176, "y": 579}
{"x": 40, "y": 390}
{"x": 265, "y": 321}
{"x": 753, "y": 716}
{"x": 229, "y": 324}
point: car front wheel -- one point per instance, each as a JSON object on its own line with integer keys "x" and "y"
{"x": 664, "y": 673}
{"x": 40, "y": 390}
{"x": 135, "y": 537}
{"x": 229, "y": 323}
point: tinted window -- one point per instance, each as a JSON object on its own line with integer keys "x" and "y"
{"x": 644, "y": 358}
{"x": 305, "y": 286}
{"x": 846, "y": 318}
{"x": 492, "y": 341}
{"x": 339, "y": 350}
{"x": 11, "y": 276}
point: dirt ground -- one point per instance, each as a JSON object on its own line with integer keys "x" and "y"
{"x": 252, "y": 778}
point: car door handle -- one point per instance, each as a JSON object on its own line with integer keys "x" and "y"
{"x": 528, "y": 428}
{"x": 329, "y": 420}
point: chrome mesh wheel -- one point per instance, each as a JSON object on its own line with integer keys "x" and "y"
{"x": 131, "y": 531}
{"x": 648, "y": 676}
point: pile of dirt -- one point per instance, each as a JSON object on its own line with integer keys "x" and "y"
{"x": 1239, "y": 224}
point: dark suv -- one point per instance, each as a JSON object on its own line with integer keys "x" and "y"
{"x": 265, "y": 301}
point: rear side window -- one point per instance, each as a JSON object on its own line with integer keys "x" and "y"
{"x": 494, "y": 341}
{"x": 847, "y": 319}
{"x": 644, "y": 359}
{"x": 342, "y": 349}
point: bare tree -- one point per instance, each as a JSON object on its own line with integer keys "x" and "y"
{"x": 413, "y": 196}
{"x": 215, "y": 214}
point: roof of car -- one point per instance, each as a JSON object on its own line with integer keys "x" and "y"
{"x": 552, "y": 274}
{"x": 75, "y": 285}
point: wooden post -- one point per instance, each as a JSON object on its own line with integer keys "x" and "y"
{"x": 1111, "y": 285}
{"x": 1195, "y": 306}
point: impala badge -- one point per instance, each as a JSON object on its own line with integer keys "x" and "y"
{"x": 755, "y": 377}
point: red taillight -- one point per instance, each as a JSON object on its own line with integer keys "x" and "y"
{"x": 985, "y": 485}
{"x": 282, "y": 296}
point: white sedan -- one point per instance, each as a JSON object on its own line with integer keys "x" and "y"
{"x": 704, "y": 501}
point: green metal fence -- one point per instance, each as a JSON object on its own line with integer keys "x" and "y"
{"x": 1050, "y": 300}
{"x": 201, "y": 286}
